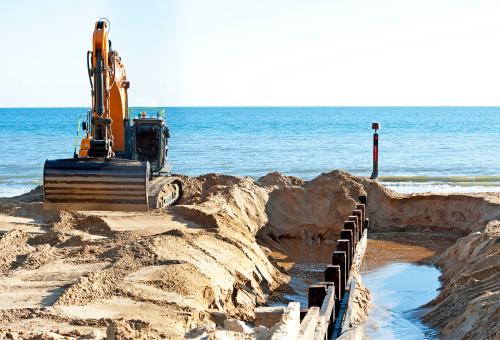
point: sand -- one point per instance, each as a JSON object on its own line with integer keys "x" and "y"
{"x": 229, "y": 246}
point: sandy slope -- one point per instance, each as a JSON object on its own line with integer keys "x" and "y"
{"x": 227, "y": 247}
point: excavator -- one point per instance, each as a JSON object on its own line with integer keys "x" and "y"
{"x": 120, "y": 154}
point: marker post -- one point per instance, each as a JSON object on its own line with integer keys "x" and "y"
{"x": 375, "y": 127}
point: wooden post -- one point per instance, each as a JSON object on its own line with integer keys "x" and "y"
{"x": 359, "y": 214}
{"x": 355, "y": 219}
{"x": 315, "y": 295}
{"x": 339, "y": 259}
{"x": 327, "y": 311}
{"x": 348, "y": 235}
{"x": 332, "y": 274}
{"x": 287, "y": 326}
{"x": 364, "y": 200}
{"x": 362, "y": 207}
{"x": 351, "y": 225}
{"x": 345, "y": 246}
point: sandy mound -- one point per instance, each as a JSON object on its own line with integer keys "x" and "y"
{"x": 305, "y": 218}
{"x": 451, "y": 213}
{"x": 130, "y": 329}
{"x": 12, "y": 244}
{"x": 319, "y": 206}
{"x": 469, "y": 305}
{"x": 84, "y": 270}
{"x": 227, "y": 247}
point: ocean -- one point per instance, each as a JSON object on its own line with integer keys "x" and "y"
{"x": 440, "y": 149}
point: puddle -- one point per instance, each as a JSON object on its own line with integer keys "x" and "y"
{"x": 398, "y": 290}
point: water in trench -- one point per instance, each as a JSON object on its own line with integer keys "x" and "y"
{"x": 302, "y": 276}
{"x": 398, "y": 290}
{"x": 399, "y": 287}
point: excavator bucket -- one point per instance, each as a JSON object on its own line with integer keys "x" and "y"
{"x": 96, "y": 184}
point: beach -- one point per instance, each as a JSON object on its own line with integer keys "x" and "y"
{"x": 224, "y": 249}
{"x": 250, "y": 170}
{"x": 259, "y": 218}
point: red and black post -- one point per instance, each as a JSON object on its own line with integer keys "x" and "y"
{"x": 376, "y": 127}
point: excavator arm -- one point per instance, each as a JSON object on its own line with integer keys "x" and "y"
{"x": 109, "y": 84}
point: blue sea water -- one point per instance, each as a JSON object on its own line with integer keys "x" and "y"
{"x": 421, "y": 148}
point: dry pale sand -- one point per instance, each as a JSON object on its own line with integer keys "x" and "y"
{"x": 228, "y": 246}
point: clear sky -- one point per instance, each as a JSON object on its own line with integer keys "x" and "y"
{"x": 257, "y": 52}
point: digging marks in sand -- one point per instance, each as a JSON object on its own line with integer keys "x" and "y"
{"x": 152, "y": 266}
{"x": 41, "y": 287}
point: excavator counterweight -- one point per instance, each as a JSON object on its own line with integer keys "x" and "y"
{"x": 96, "y": 184}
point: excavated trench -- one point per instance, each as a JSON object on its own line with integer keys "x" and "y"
{"x": 400, "y": 275}
{"x": 233, "y": 244}
{"x": 418, "y": 246}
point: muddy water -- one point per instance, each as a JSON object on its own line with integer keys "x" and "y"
{"x": 404, "y": 247}
{"x": 398, "y": 290}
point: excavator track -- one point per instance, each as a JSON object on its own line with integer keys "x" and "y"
{"x": 164, "y": 192}
{"x": 96, "y": 184}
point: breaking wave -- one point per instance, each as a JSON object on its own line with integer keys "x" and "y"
{"x": 452, "y": 180}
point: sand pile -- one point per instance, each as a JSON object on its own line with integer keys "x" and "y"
{"x": 305, "y": 218}
{"x": 12, "y": 245}
{"x": 78, "y": 271}
{"x": 305, "y": 210}
{"x": 228, "y": 246}
{"x": 469, "y": 305}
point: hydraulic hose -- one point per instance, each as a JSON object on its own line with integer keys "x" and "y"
{"x": 89, "y": 70}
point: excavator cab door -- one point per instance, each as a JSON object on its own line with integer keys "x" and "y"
{"x": 151, "y": 140}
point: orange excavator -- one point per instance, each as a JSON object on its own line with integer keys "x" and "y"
{"x": 118, "y": 154}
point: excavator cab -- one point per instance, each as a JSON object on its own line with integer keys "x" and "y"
{"x": 151, "y": 143}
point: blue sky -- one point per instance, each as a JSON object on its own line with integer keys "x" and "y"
{"x": 274, "y": 52}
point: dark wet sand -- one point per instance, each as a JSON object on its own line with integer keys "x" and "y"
{"x": 411, "y": 247}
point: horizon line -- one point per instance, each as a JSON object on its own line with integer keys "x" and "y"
{"x": 249, "y": 106}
